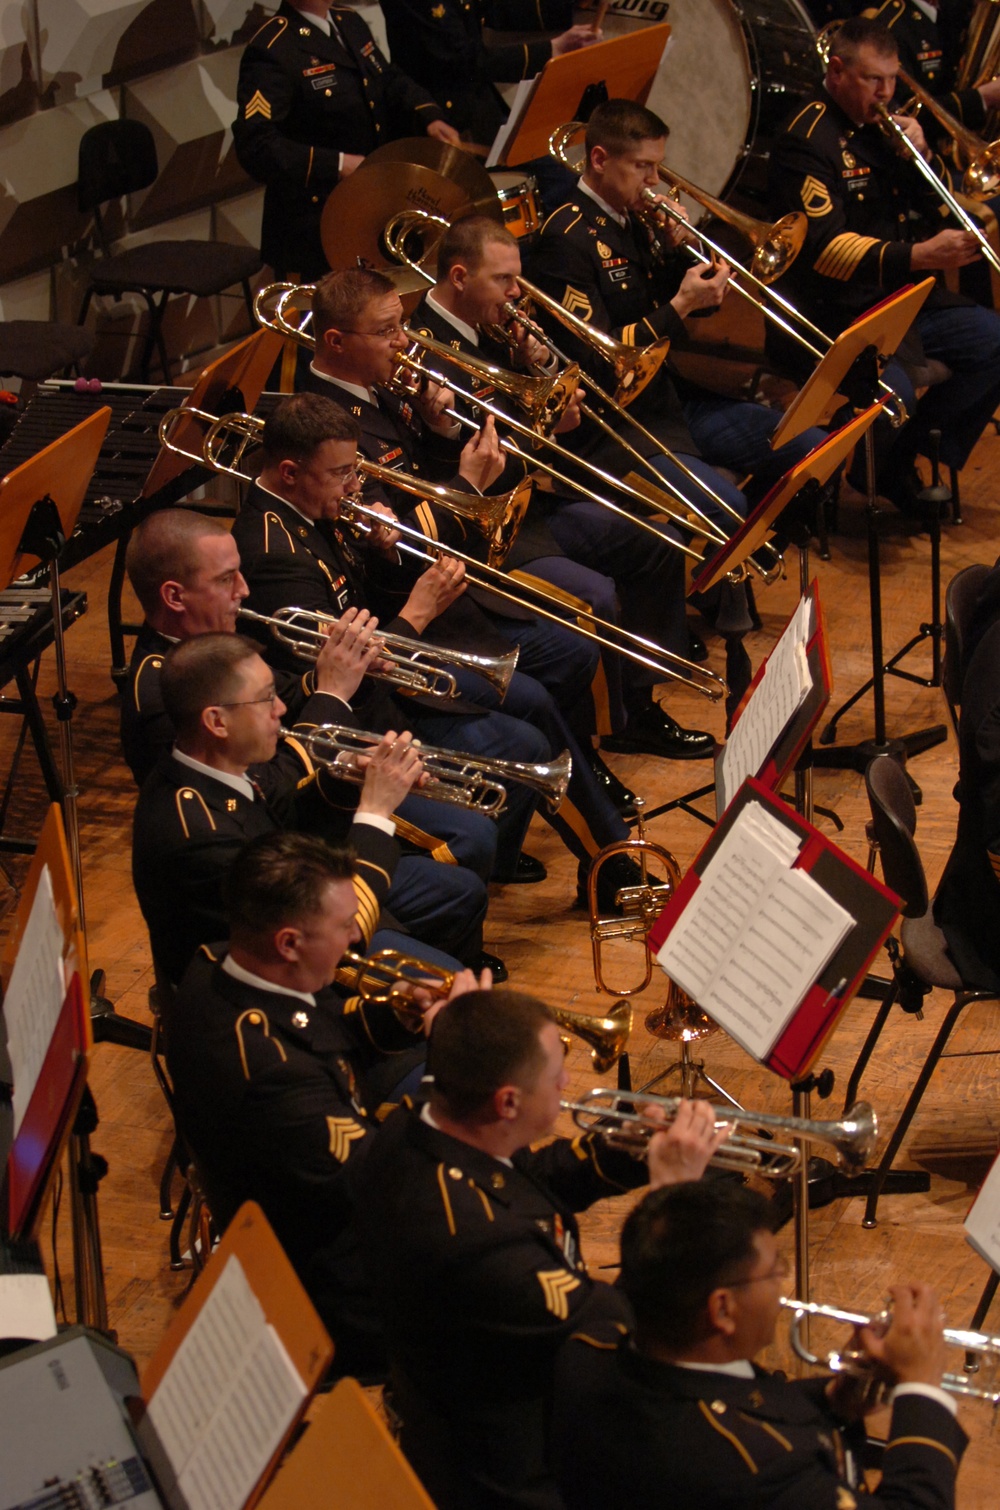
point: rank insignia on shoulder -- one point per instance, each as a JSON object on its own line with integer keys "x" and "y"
{"x": 343, "y": 1132}
{"x": 257, "y": 105}
{"x": 577, "y": 303}
{"x": 815, "y": 197}
{"x": 557, "y": 1285}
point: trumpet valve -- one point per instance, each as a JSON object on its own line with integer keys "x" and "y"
{"x": 643, "y": 904}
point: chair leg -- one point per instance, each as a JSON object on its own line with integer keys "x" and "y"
{"x": 909, "y": 1110}
{"x": 956, "y": 497}
{"x": 170, "y": 1168}
{"x": 116, "y": 633}
{"x": 867, "y": 1048}
{"x": 179, "y": 1228}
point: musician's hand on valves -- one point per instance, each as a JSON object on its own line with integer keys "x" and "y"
{"x": 392, "y": 771}
{"x": 913, "y": 130}
{"x": 912, "y": 1350}
{"x": 682, "y": 1151}
{"x": 946, "y": 249}
{"x": 350, "y": 650}
{"x": 383, "y": 537}
{"x": 702, "y": 288}
{"x": 575, "y": 38}
{"x": 570, "y": 417}
{"x": 434, "y": 590}
{"x": 464, "y": 981}
{"x": 482, "y": 460}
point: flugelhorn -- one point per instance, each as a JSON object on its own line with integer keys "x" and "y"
{"x": 473, "y": 781}
{"x": 607, "y": 1033}
{"x": 896, "y": 134}
{"x": 635, "y": 647}
{"x": 413, "y": 664}
{"x": 605, "y": 1111}
{"x": 853, "y": 1360}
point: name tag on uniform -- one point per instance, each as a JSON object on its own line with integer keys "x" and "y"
{"x": 341, "y": 596}
{"x": 618, "y": 274}
{"x": 326, "y": 81}
{"x": 856, "y": 178}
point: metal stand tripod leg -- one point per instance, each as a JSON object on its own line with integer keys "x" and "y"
{"x": 692, "y": 1073}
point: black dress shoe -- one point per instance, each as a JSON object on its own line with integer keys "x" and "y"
{"x": 527, "y": 871}
{"x": 616, "y": 873}
{"x": 650, "y": 731}
{"x": 697, "y": 649}
{"x": 621, "y": 796}
{"x": 487, "y": 961}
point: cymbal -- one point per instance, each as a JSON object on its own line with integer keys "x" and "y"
{"x": 451, "y": 162}
{"x": 359, "y": 208}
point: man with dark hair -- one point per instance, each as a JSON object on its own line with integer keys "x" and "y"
{"x": 470, "y": 1236}
{"x": 199, "y": 807}
{"x": 315, "y": 96}
{"x": 681, "y": 1409}
{"x": 295, "y": 551}
{"x": 277, "y": 1079}
{"x": 873, "y": 226}
{"x": 598, "y": 258}
{"x": 608, "y": 560}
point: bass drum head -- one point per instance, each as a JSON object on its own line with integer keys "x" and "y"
{"x": 729, "y": 76}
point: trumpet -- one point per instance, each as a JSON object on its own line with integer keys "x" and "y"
{"x": 853, "y": 1360}
{"x": 412, "y": 664}
{"x": 853, "y": 1138}
{"x": 474, "y": 781}
{"x": 894, "y": 131}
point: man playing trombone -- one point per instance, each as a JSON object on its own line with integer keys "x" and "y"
{"x": 874, "y": 226}
{"x": 674, "y": 1410}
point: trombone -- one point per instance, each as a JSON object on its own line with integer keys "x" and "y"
{"x": 419, "y": 667}
{"x": 981, "y": 178}
{"x": 473, "y": 781}
{"x": 853, "y": 1360}
{"x": 601, "y": 1110}
{"x": 634, "y": 647}
{"x": 768, "y": 296}
{"x": 895, "y": 132}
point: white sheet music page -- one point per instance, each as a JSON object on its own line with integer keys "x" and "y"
{"x": 756, "y": 934}
{"x": 35, "y": 995}
{"x": 982, "y": 1225}
{"x": 779, "y": 693}
{"x": 227, "y": 1399}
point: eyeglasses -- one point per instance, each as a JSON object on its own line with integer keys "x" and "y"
{"x": 782, "y": 1269}
{"x": 252, "y": 702}
{"x": 343, "y": 473}
{"x": 385, "y": 333}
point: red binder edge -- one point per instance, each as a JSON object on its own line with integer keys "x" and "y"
{"x": 35, "y": 1151}
{"x": 816, "y": 1015}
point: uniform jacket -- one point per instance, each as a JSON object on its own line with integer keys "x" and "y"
{"x": 478, "y": 1276}
{"x": 923, "y": 55}
{"x": 146, "y": 729}
{"x": 304, "y": 98}
{"x": 967, "y": 904}
{"x": 631, "y": 1430}
{"x": 188, "y": 831}
{"x": 442, "y": 43}
{"x": 270, "y": 1096}
{"x": 610, "y": 276}
{"x": 857, "y": 196}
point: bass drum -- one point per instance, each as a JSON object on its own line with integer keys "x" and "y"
{"x": 729, "y": 76}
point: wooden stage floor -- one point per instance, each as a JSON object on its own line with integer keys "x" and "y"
{"x": 546, "y": 945}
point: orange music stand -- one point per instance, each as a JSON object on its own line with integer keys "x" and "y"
{"x": 818, "y": 466}
{"x": 242, "y": 372}
{"x": 62, "y": 471}
{"x": 627, "y": 65}
{"x": 883, "y": 326}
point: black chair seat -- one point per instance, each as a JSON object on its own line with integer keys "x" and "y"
{"x": 37, "y": 349}
{"x": 925, "y": 950}
{"x": 176, "y": 267}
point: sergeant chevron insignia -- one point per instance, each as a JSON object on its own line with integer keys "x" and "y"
{"x": 577, "y": 303}
{"x": 343, "y": 1132}
{"x": 556, "y": 1285}
{"x": 257, "y": 105}
{"x": 815, "y": 198}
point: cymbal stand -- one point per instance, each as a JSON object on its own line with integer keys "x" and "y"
{"x": 857, "y": 756}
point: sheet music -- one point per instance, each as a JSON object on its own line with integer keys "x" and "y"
{"x": 982, "y": 1225}
{"x": 780, "y": 692}
{"x": 756, "y": 934}
{"x": 227, "y": 1399}
{"x": 35, "y": 995}
{"x": 511, "y": 126}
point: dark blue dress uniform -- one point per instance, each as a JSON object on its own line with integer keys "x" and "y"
{"x": 304, "y": 98}
{"x": 864, "y": 207}
{"x": 629, "y": 1430}
{"x": 924, "y": 56}
{"x": 476, "y": 1270}
{"x": 442, "y": 43}
{"x": 277, "y": 1101}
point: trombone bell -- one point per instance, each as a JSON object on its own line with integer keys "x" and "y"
{"x": 607, "y": 1033}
